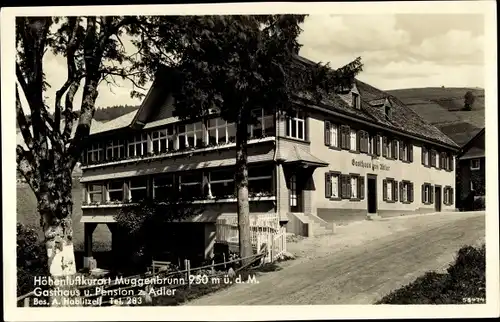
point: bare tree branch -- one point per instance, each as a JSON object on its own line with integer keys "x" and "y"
{"x": 26, "y": 167}
{"x": 23, "y": 123}
{"x": 68, "y": 112}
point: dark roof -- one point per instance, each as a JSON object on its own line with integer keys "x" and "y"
{"x": 473, "y": 153}
{"x": 461, "y": 133}
{"x": 403, "y": 118}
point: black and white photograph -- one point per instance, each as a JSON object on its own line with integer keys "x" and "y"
{"x": 295, "y": 160}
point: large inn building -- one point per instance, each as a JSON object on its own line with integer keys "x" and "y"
{"x": 359, "y": 154}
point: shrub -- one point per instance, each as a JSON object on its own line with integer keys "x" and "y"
{"x": 465, "y": 278}
{"x": 144, "y": 225}
{"x": 31, "y": 258}
{"x": 479, "y": 203}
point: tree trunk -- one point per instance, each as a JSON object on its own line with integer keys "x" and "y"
{"x": 241, "y": 183}
{"x": 55, "y": 208}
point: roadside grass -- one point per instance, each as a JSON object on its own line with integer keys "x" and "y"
{"x": 464, "y": 282}
{"x": 185, "y": 294}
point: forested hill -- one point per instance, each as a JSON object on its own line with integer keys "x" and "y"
{"x": 104, "y": 114}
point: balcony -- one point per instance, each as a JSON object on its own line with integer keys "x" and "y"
{"x": 172, "y": 153}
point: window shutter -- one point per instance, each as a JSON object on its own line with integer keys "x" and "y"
{"x": 423, "y": 155}
{"x": 361, "y": 188}
{"x": 328, "y": 185}
{"x": 445, "y": 196}
{"x": 384, "y": 145}
{"x": 377, "y": 145}
{"x": 431, "y": 188}
{"x": 338, "y": 136}
{"x": 423, "y": 193}
{"x": 395, "y": 190}
{"x": 452, "y": 196}
{"x": 401, "y": 151}
{"x": 394, "y": 149}
{"x": 348, "y": 137}
{"x": 384, "y": 190}
{"x": 401, "y": 197}
{"x": 410, "y": 199}
{"x": 342, "y": 186}
{"x": 452, "y": 162}
{"x": 359, "y": 140}
{"x": 327, "y": 133}
{"x": 410, "y": 151}
{"x": 348, "y": 186}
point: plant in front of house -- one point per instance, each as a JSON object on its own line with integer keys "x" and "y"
{"x": 464, "y": 282}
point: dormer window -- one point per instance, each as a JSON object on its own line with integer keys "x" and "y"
{"x": 356, "y": 101}
{"x": 388, "y": 112}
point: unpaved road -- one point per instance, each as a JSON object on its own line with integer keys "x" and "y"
{"x": 360, "y": 273}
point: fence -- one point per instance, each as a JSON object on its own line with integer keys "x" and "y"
{"x": 264, "y": 229}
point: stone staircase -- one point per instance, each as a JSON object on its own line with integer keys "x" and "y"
{"x": 319, "y": 226}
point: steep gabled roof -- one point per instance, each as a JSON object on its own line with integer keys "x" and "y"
{"x": 469, "y": 149}
{"x": 403, "y": 118}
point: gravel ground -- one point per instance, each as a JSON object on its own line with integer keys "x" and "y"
{"x": 361, "y": 263}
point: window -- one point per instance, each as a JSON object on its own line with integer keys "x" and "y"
{"x": 475, "y": 164}
{"x": 385, "y": 147}
{"x": 295, "y": 126}
{"x": 355, "y": 101}
{"x": 354, "y": 187}
{"x": 115, "y": 149}
{"x": 221, "y": 183}
{"x": 405, "y": 152}
{"x": 394, "y": 149}
{"x": 388, "y": 112}
{"x": 194, "y": 135}
{"x": 138, "y": 145}
{"x": 433, "y": 158}
{"x": 406, "y": 191}
{"x": 344, "y": 186}
{"x": 137, "y": 188}
{"x": 345, "y": 140}
{"x": 191, "y": 184}
{"x": 376, "y": 145}
{"x": 425, "y": 156}
{"x": 390, "y": 190}
{"x": 163, "y": 186}
{"x": 217, "y": 131}
{"x": 115, "y": 191}
{"x": 264, "y": 125}
{"x": 95, "y": 153}
{"x": 163, "y": 140}
{"x": 448, "y": 196}
{"x": 352, "y": 138}
{"x": 293, "y": 191}
{"x": 364, "y": 142}
{"x": 94, "y": 193}
{"x": 427, "y": 195}
{"x": 331, "y": 134}
{"x": 260, "y": 179}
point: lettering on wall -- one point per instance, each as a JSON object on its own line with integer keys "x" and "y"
{"x": 369, "y": 165}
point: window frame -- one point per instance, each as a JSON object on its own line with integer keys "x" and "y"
{"x": 98, "y": 150}
{"x": 131, "y": 188}
{"x": 154, "y": 186}
{"x": 294, "y": 120}
{"x": 142, "y": 142}
{"x": 109, "y": 190}
{"x": 472, "y": 167}
{"x": 89, "y": 192}
{"x": 120, "y": 147}
{"x": 210, "y": 181}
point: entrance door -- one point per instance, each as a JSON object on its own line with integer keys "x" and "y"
{"x": 372, "y": 193}
{"x": 437, "y": 199}
{"x": 295, "y": 195}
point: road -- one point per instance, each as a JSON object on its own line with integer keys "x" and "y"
{"x": 365, "y": 272}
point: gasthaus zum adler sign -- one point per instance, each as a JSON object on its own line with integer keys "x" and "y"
{"x": 370, "y": 165}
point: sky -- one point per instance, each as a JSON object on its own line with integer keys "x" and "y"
{"x": 398, "y": 51}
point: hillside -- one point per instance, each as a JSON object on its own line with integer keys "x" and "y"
{"x": 104, "y": 114}
{"x": 442, "y": 107}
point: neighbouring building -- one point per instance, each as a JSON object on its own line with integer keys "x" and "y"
{"x": 357, "y": 155}
{"x": 471, "y": 170}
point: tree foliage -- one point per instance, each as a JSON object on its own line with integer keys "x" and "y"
{"x": 469, "y": 99}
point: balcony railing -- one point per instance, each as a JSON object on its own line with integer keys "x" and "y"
{"x": 171, "y": 153}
